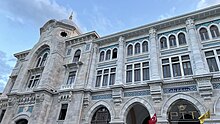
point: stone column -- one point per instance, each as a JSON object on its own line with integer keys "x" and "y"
{"x": 93, "y": 63}
{"x": 199, "y": 65}
{"x": 155, "y": 84}
{"x": 154, "y": 56}
{"x": 120, "y": 62}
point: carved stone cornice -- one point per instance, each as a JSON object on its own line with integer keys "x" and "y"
{"x": 82, "y": 38}
{"x": 36, "y": 70}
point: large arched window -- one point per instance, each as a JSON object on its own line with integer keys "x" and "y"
{"x": 172, "y": 41}
{"x": 101, "y": 57}
{"x": 101, "y": 116}
{"x": 163, "y": 43}
{"x": 145, "y": 46}
{"x": 77, "y": 56}
{"x": 214, "y": 31}
{"x": 22, "y": 121}
{"x": 203, "y": 34}
{"x": 41, "y": 59}
{"x": 108, "y": 55}
{"x": 114, "y": 53}
{"x": 182, "y": 112}
{"x": 181, "y": 38}
{"x": 130, "y": 50}
{"x": 137, "y": 48}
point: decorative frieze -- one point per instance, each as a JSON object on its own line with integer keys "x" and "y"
{"x": 180, "y": 89}
{"x": 26, "y": 99}
{"x": 137, "y": 93}
{"x": 109, "y": 47}
{"x": 105, "y": 96}
{"x": 216, "y": 85}
{"x": 65, "y": 97}
{"x": 25, "y": 109}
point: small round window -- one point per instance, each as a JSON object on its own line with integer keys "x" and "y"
{"x": 63, "y": 34}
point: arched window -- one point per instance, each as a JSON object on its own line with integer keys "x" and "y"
{"x": 163, "y": 43}
{"x": 203, "y": 34}
{"x": 137, "y": 48}
{"x": 22, "y": 121}
{"x": 41, "y": 59}
{"x": 114, "y": 53}
{"x": 108, "y": 55}
{"x": 172, "y": 41}
{"x": 182, "y": 39}
{"x": 77, "y": 56}
{"x": 145, "y": 46}
{"x": 214, "y": 31}
{"x": 101, "y": 116}
{"x": 130, "y": 50}
{"x": 101, "y": 57}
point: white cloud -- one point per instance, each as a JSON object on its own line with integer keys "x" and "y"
{"x": 171, "y": 13}
{"x": 5, "y": 69}
{"x": 206, "y": 3}
{"x": 34, "y": 11}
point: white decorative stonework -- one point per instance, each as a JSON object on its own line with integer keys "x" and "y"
{"x": 65, "y": 97}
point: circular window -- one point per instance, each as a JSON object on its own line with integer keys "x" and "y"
{"x": 63, "y": 34}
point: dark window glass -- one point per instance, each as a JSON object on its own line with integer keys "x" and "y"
{"x": 114, "y": 53}
{"x": 214, "y": 31}
{"x": 165, "y": 61}
{"x": 212, "y": 64}
{"x": 108, "y": 55}
{"x": 71, "y": 78}
{"x": 98, "y": 81}
{"x": 182, "y": 39}
{"x": 187, "y": 68}
{"x": 77, "y": 56}
{"x": 112, "y": 76}
{"x": 68, "y": 51}
{"x": 44, "y": 59}
{"x": 146, "y": 75}
{"x": 38, "y": 62}
{"x": 163, "y": 43}
{"x": 129, "y": 73}
{"x": 101, "y": 57}
{"x": 172, "y": 41}
{"x": 137, "y": 72}
{"x": 105, "y": 77}
{"x": 176, "y": 69}
{"x": 137, "y": 48}
{"x": 130, "y": 50}
{"x": 145, "y": 46}
{"x": 166, "y": 71}
{"x": 2, "y": 115}
{"x": 203, "y": 34}
{"x": 34, "y": 80}
{"x": 63, "y": 112}
{"x": 209, "y": 53}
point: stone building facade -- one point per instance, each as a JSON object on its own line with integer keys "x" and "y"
{"x": 170, "y": 68}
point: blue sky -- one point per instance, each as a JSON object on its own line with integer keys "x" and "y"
{"x": 20, "y": 20}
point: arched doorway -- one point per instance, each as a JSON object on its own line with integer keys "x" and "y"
{"x": 137, "y": 114}
{"x": 22, "y": 121}
{"x": 101, "y": 116}
{"x": 183, "y": 112}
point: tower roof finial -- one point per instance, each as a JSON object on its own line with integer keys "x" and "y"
{"x": 71, "y": 16}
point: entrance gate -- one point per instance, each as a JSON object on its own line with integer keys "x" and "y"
{"x": 183, "y": 112}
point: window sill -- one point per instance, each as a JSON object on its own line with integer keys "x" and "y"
{"x": 60, "y": 121}
{"x": 37, "y": 69}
